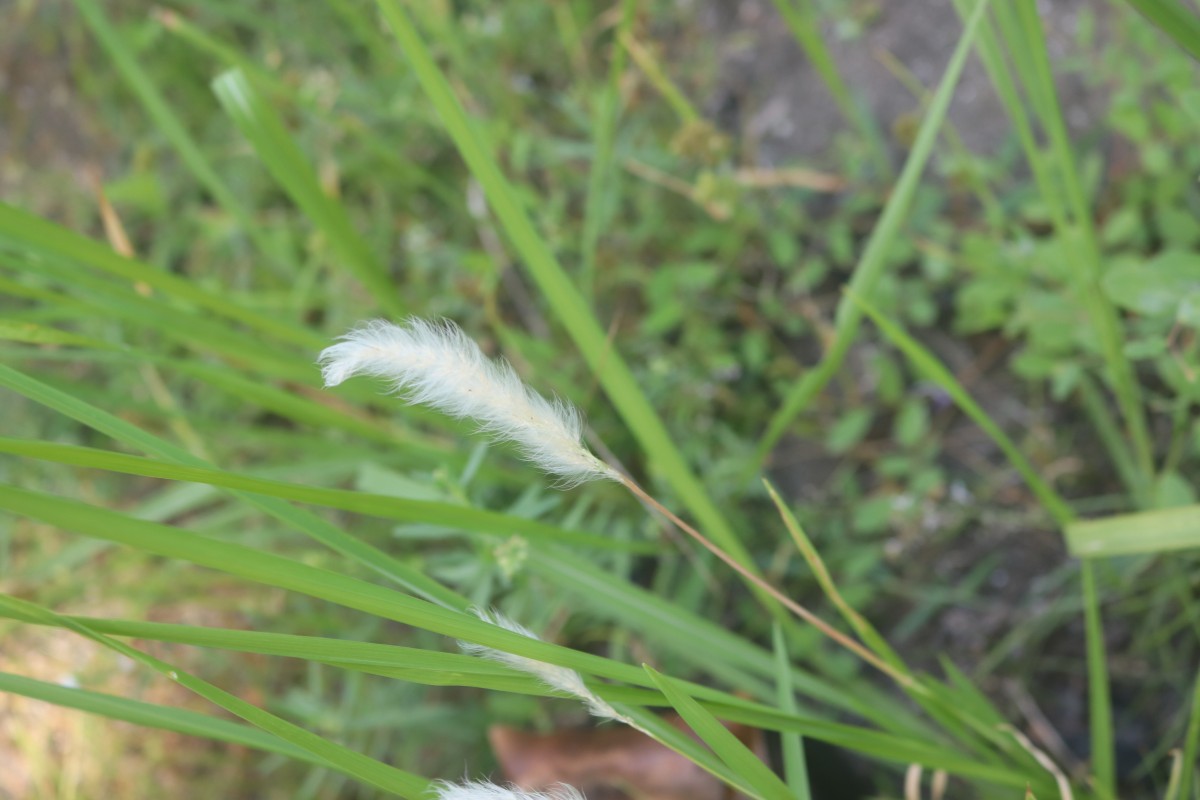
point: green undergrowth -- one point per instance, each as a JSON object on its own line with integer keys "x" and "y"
{"x": 972, "y": 375}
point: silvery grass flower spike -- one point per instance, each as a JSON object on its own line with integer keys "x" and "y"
{"x": 484, "y": 790}
{"x": 437, "y": 365}
{"x": 559, "y": 678}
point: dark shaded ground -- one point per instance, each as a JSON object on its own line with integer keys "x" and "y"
{"x": 782, "y": 110}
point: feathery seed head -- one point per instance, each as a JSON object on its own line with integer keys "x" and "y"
{"x": 563, "y": 679}
{"x": 437, "y": 365}
{"x": 485, "y": 790}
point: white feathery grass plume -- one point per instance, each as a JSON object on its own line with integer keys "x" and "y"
{"x": 437, "y": 365}
{"x": 564, "y": 680}
{"x": 485, "y": 790}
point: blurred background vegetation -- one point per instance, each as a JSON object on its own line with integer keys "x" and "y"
{"x": 710, "y": 184}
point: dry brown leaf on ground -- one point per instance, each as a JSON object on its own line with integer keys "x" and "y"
{"x": 611, "y": 762}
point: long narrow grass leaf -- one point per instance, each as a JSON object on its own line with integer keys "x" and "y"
{"x": 152, "y": 715}
{"x": 265, "y": 131}
{"x": 172, "y": 127}
{"x": 1158, "y": 531}
{"x": 339, "y": 757}
{"x": 739, "y": 758}
{"x": 1100, "y": 722}
{"x": 874, "y": 258}
{"x": 795, "y": 770}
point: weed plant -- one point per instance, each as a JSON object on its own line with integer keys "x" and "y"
{"x": 291, "y": 570}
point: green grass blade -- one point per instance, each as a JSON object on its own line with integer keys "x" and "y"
{"x": 801, "y": 17}
{"x": 601, "y": 178}
{"x": 874, "y": 258}
{"x": 1099, "y": 703}
{"x": 369, "y": 556}
{"x": 795, "y": 770}
{"x": 865, "y": 630}
{"x": 272, "y": 570}
{"x": 667, "y": 734}
{"x": 1157, "y": 531}
{"x": 740, "y": 759}
{"x": 928, "y": 365}
{"x": 139, "y": 81}
{"x": 427, "y": 667}
{"x": 397, "y": 508}
{"x": 338, "y": 757}
{"x": 1191, "y": 745}
{"x": 265, "y": 131}
{"x": 708, "y": 645}
{"x": 1084, "y": 255}
{"x": 564, "y": 299}
{"x": 1173, "y": 19}
{"x": 33, "y": 234}
{"x": 151, "y": 715}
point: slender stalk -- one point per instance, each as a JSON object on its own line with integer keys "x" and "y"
{"x": 1191, "y": 745}
{"x": 865, "y": 630}
{"x": 1099, "y": 707}
{"x": 791, "y": 605}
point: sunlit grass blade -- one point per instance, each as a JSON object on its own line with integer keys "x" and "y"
{"x": 369, "y": 556}
{"x": 928, "y": 365}
{"x": 354, "y": 764}
{"x": 272, "y": 570}
{"x": 564, "y": 299}
{"x": 1174, "y": 19}
{"x": 265, "y": 131}
{"x": 1158, "y": 531}
{"x": 865, "y": 630}
{"x": 667, "y": 734}
{"x": 709, "y": 646}
{"x": 397, "y": 508}
{"x": 1100, "y": 723}
{"x": 795, "y": 770}
{"x": 874, "y": 258}
{"x": 739, "y": 758}
{"x": 152, "y": 715}
{"x": 446, "y": 669}
{"x": 1191, "y": 745}
{"x": 33, "y": 333}
{"x": 122, "y": 54}
{"x": 428, "y": 667}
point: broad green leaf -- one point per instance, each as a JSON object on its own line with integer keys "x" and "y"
{"x": 1156, "y": 531}
{"x": 1154, "y": 288}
